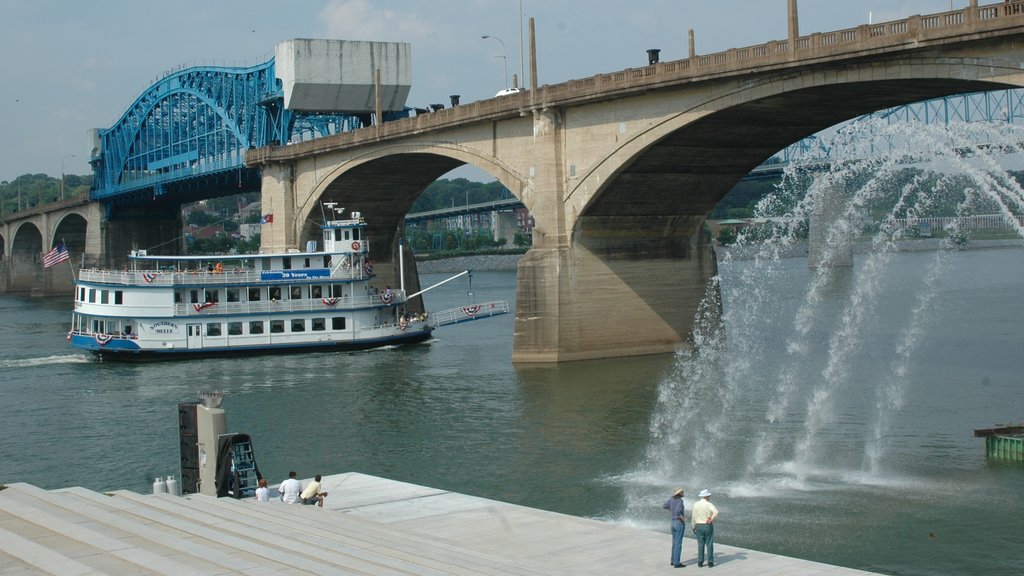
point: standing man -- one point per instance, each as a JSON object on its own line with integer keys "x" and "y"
{"x": 704, "y": 514}
{"x": 312, "y": 493}
{"x": 675, "y": 508}
{"x": 290, "y": 489}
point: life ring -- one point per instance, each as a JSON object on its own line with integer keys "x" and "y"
{"x": 355, "y": 245}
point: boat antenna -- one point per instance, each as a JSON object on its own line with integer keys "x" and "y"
{"x": 470, "y": 291}
{"x": 329, "y": 205}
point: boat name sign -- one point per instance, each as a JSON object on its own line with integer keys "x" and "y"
{"x": 164, "y": 327}
{"x": 266, "y": 275}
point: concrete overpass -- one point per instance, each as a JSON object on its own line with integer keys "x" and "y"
{"x": 619, "y": 170}
{"x": 25, "y": 235}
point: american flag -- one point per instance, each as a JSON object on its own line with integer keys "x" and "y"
{"x": 56, "y": 256}
{"x": 267, "y": 218}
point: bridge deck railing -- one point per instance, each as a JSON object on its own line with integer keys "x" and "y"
{"x": 156, "y": 277}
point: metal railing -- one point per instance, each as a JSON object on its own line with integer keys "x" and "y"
{"x": 468, "y": 313}
{"x": 326, "y": 304}
{"x": 243, "y": 276}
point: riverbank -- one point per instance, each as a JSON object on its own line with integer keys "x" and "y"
{"x": 508, "y": 262}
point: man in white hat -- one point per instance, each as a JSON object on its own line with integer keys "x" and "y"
{"x": 674, "y": 505}
{"x": 704, "y": 514}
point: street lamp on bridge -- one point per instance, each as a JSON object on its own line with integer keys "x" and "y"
{"x": 504, "y": 56}
{"x": 65, "y": 157}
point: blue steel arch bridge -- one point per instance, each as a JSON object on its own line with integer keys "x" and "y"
{"x": 185, "y": 137}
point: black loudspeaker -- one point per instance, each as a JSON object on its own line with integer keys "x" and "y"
{"x": 188, "y": 437}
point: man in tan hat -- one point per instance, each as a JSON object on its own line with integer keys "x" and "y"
{"x": 704, "y": 514}
{"x": 674, "y": 505}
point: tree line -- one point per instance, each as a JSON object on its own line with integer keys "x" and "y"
{"x": 30, "y": 190}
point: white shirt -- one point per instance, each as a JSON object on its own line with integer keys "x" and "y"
{"x": 704, "y": 512}
{"x": 289, "y": 490}
{"x": 263, "y": 494}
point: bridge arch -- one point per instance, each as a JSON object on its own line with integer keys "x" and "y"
{"x": 26, "y": 251}
{"x": 741, "y": 126}
{"x": 384, "y": 183}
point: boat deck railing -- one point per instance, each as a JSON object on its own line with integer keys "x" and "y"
{"x": 468, "y": 313}
{"x": 239, "y": 276}
{"x": 300, "y": 305}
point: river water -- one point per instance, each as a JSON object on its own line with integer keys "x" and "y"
{"x": 875, "y": 472}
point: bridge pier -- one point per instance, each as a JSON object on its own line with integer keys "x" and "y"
{"x": 155, "y": 232}
{"x": 618, "y": 290}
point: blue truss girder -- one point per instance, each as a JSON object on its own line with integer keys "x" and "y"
{"x": 995, "y": 106}
{"x": 195, "y": 121}
{"x": 195, "y": 125}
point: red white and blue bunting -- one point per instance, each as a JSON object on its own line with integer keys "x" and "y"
{"x": 368, "y": 268}
{"x": 203, "y": 306}
{"x": 330, "y": 301}
{"x": 387, "y": 297}
{"x": 471, "y": 310}
{"x": 102, "y": 339}
{"x": 150, "y": 276}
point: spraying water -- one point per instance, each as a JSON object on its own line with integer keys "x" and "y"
{"x": 730, "y": 418}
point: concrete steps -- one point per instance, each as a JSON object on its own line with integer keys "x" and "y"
{"x": 368, "y": 526}
{"x": 78, "y": 531}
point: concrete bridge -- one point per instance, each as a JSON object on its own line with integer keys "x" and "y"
{"x": 619, "y": 170}
{"x": 25, "y": 235}
{"x": 91, "y": 237}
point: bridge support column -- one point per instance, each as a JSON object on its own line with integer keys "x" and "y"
{"x": 620, "y": 289}
{"x": 154, "y": 230}
{"x": 278, "y": 198}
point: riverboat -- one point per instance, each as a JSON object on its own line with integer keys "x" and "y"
{"x": 192, "y": 306}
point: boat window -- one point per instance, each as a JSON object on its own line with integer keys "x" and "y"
{"x": 254, "y": 294}
{"x": 276, "y": 326}
{"x": 338, "y": 323}
{"x": 234, "y": 328}
{"x": 177, "y": 297}
{"x": 212, "y": 295}
{"x": 307, "y": 262}
{"x": 355, "y": 233}
{"x": 336, "y": 290}
{"x": 264, "y": 264}
{"x": 295, "y": 293}
{"x": 256, "y": 327}
{"x": 327, "y": 261}
{"x": 81, "y": 294}
{"x": 118, "y": 297}
{"x": 92, "y": 295}
{"x": 286, "y": 263}
{"x": 193, "y": 296}
{"x": 233, "y": 296}
{"x": 319, "y": 324}
{"x": 104, "y": 296}
{"x": 213, "y": 329}
{"x": 315, "y": 291}
{"x": 275, "y": 292}
{"x": 298, "y": 324}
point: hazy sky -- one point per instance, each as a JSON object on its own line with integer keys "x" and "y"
{"x": 71, "y": 65}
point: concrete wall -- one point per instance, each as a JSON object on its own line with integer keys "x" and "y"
{"x": 339, "y": 75}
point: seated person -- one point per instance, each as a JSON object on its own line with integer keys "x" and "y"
{"x": 312, "y": 493}
{"x": 263, "y": 492}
